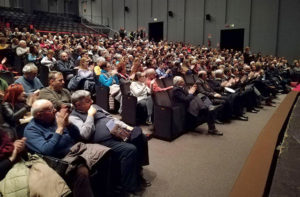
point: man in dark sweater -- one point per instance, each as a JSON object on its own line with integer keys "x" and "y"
{"x": 197, "y": 111}
{"x": 98, "y": 126}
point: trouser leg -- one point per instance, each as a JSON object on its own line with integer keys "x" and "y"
{"x": 126, "y": 155}
{"x": 80, "y": 182}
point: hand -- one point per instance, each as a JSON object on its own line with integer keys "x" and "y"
{"x": 192, "y": 90}
{"x": 114, "y": 72}
{"x": 33, "y": 97}
{"x": 168, "y": 71}
{"x": 3, "y": 60}
{"x": 92, "y": 111}
{"x": 62, "y": 121}
{"x": 217, "y": 95}
{"x": 19, "y": 146}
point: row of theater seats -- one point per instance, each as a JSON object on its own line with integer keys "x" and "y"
{"x": 169, "y": 120}
{"x": 43, "y": 21}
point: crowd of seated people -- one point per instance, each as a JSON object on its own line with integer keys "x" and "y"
{"x": 226, "y": 84}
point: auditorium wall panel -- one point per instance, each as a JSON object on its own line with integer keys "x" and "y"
{"x": 194, "y": 21}
{"x": 131, "y": 16}
{"x": 264, "y": 26}
{"x": 288, "y": 44}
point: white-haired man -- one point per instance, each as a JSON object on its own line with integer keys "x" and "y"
{"x": 129, "y": 145}
{"x": 29, "y": 80}
{"x": 197, "y": 111}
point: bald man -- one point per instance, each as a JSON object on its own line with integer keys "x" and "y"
{"x": 65, "y": 66}
{"x": 49, "y": 133}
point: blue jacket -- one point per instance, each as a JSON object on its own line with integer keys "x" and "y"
{"x": 106, "y": 80}
{"x": 30, "y": 86}
{"x": 43, "y": 139}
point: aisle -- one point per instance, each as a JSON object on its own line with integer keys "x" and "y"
{"x": 197, "y": 164}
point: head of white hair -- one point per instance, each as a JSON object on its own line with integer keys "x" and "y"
{"x": 30, "y": 67}
{"x": 176, "y": 80}
{"x": 78, "y": 95}
{"x": 219, "y": 73}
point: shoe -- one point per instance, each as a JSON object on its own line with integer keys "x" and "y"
{"x": 218, "y": 122}
{"x": 148, "y": 122}
{"x": 243, "y": 118}
{"x": 253, "y": 110}
{"x": 214, "y": 132}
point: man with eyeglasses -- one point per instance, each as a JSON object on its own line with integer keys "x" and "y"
{"x": 55, "y": 92}
{"x": 49, "y": 133}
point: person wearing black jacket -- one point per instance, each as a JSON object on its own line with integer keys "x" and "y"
{"x": 14, "y": 105}
{"x": 197, "y": 109}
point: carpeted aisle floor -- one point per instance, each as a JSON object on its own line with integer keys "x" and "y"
{"x": 197, "y": 164}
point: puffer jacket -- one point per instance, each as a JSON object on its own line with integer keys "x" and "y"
{"x": 33, "y": 178}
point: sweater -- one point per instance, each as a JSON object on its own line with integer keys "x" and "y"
{"x": 57, "y": 98}
{"x": 29, "y": 86}
{"x": 42, "y": 138}
{"x": 139, "y": 90}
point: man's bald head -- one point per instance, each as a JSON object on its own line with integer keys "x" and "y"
{"x": 40, "y": 105}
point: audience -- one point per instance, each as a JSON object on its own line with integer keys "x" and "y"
{"x": 228, "y": 79}
{"x": 50, "y": 133}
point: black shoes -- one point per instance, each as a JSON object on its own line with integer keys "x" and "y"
{"x": 243, "y": 118}
{"x": 214, "y": 132}
{"x": 218, "y": 122}
{"x": 253, "y": 110}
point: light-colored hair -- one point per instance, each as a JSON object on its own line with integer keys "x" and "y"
{"x": 176, "y": 80}
{"x": 78, "y": 95}
{"x": 219, "y": 72}
{"x": 38, "y": 105}
{"x": 30, "y": 67}
{"x": 149, "y": 71}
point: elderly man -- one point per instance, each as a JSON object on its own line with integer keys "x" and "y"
{"x": 129, "y": 145}
{"x": 55, "y": 92}
{"x": 65, "y": 66}
{"x": 197, "y": 110}
{"x": 152, "y": 83}
{"x": 218, "y": 84}
{"x": 50, "y": 133}
{"x": 29, "y": 80}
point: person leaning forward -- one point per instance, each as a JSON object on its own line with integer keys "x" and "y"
{"x": 49, "y": 133}
{"x": 129, "y": 145}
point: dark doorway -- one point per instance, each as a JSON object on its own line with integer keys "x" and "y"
{"x": 232, "y": 39}
{"x": 156, "y": 31}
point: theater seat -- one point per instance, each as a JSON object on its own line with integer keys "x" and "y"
{"x": 169, "y": 120}
{"x": 132, "y": 113}
{"x": 102, "y": 96}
